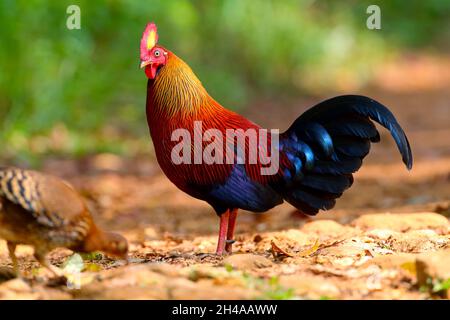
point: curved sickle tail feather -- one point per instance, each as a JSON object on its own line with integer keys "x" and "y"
{"x": 327, "y": 144}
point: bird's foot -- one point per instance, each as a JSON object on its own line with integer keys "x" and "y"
{"x": 229, "y": 245}
{"x": 228, "y": 248}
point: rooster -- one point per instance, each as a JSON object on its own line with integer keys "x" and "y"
{"x": 317, "y": 155}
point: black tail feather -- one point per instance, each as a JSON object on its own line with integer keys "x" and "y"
{"x": 353, "y": 147}
{"x": 329, "y": 183}
{"x": 345, "y": 120}
{"x": 339, "y": 106}
{"x": 355, "y": 125}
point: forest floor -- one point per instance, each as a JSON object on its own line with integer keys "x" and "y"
{"x": 387, "y": 238}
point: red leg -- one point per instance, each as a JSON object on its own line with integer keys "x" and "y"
{"x": 223, "y": 230}
{"x": 230, "y": 233}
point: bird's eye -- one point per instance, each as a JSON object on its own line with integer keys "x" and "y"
{"x": 157, "y": 53}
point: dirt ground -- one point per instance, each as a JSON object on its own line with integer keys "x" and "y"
{"x": 387, "y": 238}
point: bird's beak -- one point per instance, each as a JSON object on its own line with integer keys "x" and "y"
{"x": 146, "y": 63}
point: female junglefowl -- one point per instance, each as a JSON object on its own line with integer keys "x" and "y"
{"x": 47, "y": 213}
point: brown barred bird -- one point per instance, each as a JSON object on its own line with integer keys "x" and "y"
{"x": 46, "y": 213}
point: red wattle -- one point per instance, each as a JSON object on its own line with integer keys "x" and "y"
{"x": 150, "y": 71}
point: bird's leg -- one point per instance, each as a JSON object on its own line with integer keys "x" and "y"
{"x": 41, "y": 257}
{"x": 12, "y": 255}
{"x": 223, "y": 229}
{"x": 230, "y": 233}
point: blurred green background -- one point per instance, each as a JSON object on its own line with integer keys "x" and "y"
{"x": 80, "y": 91}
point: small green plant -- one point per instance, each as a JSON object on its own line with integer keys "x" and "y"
{"x": 229, "y": 268}
{"x": 436, "y": 287}
{"x": 91, "y": 256}
{"x": 440, "y": 286}
{"x": 273, "y": 290}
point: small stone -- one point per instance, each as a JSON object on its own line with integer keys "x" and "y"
{"x": 344, "y": 250}
{"x": 17, "y": 289}
{"x": 380, "y": 234}
{"x": 164, "y": 269}
{"x": 327, "y": 229}
{"x": 257, "y": 238}
{"x": 107, "y": 161}
{"x": 151, "y": 234}
{"x": 392, "y": 261}
{"x": 313, "y": 287}
{"x": 403, "y": 222}
{"x": 417, "y": 241}
{"x": 247, "y": 261}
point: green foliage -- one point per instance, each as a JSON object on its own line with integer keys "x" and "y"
{"x": 277, "y": 292}
{"x": 92, "y": 256}
{"x": 436, "y": 287}
{"x": 271, "y": 288}
{"x": 86, "y": 80}
{"x": 229, "y": 268}
{"x": 439, "y": 286}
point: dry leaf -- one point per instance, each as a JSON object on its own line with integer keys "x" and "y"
{"x": 369, "y": 253}
{"x": 278, "y": 252}
{"x": 309, "y": 251}
{"x": 410, "y": 267}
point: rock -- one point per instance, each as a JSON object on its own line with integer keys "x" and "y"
{"x": 433, "y": 265}
{"x": 325, "y": 229}
{"x": 161, "y": 281}
{"x": 247, "y": 261}
{"x": 182, "y": 289}
{"x": 345, "y": 250}
{"x": 296, "y": 236}
{"x": 107, "y": 162}
{"x": 127, "y": 293}
{"x": 133, "y": 282}
{"x": 341, "y": 256}
{"x": 392, "y": 261}
{"x": 380, "y": 234}
{"x": 17, "y": 289}
{"x": 288, "y": 240}
{"x": 151, "y": 234}
{"x": 403, "y": 222}
{"x": 164, "y": 269}
{"x": 417, "y": 241}
{"x": 309, "y": 286}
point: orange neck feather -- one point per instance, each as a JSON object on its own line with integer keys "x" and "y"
{"x": 177, "y": 92}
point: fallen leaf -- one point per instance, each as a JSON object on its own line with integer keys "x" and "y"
{"x": 93, "y": 267}
{"x": 369, "y": 253}
{"x": 309, "y": 251}
{"x": 410, "y": 267}
{"x": 277, "y": 252}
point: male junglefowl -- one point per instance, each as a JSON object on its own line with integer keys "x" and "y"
{"x": 317, "y": 155}
{"x": 46, "y": 212}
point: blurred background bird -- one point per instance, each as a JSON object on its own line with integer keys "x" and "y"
{"x": 318, "y": 153}
{"x": 46, "y": 213}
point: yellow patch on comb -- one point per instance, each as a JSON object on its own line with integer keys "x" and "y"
{"x": 151, "y": 39}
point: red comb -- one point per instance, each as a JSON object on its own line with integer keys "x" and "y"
{"x": 149, "y": 39}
